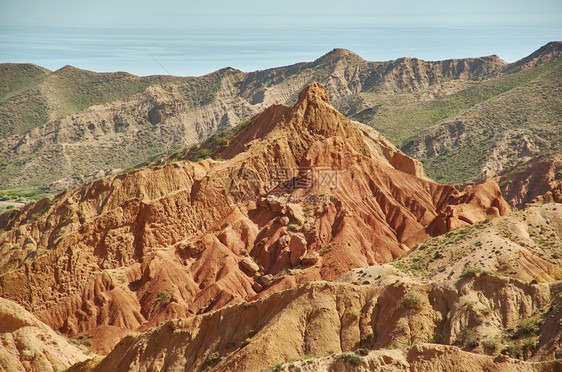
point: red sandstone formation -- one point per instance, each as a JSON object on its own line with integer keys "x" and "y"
{"x": 127, "y": 252}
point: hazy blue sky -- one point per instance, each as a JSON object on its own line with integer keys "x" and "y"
{"x": 198, "y": 37}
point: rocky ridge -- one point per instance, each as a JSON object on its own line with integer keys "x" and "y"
{"x": 347, "y": 321}
{"x": 496, "y": 134}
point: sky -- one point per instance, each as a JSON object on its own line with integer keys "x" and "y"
{"x": 192, "y": 38}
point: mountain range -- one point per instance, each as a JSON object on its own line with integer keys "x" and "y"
{"x": 243, "y": 252}
{"x": 271, "y": 222}
{"x": 466, "y": 119}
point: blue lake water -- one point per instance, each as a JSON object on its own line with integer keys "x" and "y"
{"x": 195, "y": 49}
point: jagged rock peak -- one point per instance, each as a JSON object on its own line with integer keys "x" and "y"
{"x": 227, "y": 70}
{"x": 493, "y": 58}
{"x": 313, "y": 93}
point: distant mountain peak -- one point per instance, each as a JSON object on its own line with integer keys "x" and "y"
{"x": 66, "y": 68}
{"x": 229, "y": 69}
{"x": 545, "y": 54}
{"x": 341, "y": 52}
{"x": 493, "y": 58}
{"x": 338, "y": 54}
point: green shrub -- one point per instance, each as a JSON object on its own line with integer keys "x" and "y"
{"x": 473, "y": 272}
{"x": 163, "y": 297}
{"x": 527, "y": 327}
{"x": 366, "y": 338}
{"x": 415, "y": 266}
{"x": 438, "y": 338}
{"x": 520, "y": 349}
{"x": 325, "y": 250}
{"x": 212, "y": 358}
{"x": 414, "y": 300}
{"x": 491, "y": 344}
{"x": 470, "y": 337}
{"x": 362, "y": 352}
{"x": 485, "y": 311}
{"x": 351, "y": 358}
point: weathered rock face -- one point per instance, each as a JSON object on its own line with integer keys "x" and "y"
{"x": 323, "y": 318}
{"x": 494, "y": 135}
{"x": 27, "y": 344}
{"x": 157, "y": 243}
{"x": 552, "y": 196}
{"x": 482, "y": 319}
{"x": 532, "y": 179}
{"x": 421, "y": 357}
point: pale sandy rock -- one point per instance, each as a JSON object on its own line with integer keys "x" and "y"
{"x": 324, "y": 318}
{"x": 284, "y": 221}
{"x": 248, "y": 264}
{"x": 311, "y": 258}
{"x": 27, "y": 344}
{"x": 297, "y": 247}
{"x": 296, "y": 212}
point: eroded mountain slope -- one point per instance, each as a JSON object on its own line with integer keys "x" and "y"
{"x": 496, "y": 134}
{"x": 322, "y": 318}
{"x": 459, "y": 311}
{"x": 157, "y": 243}
{"x": 526, "y": 245}
{"x": 531, "y": 179}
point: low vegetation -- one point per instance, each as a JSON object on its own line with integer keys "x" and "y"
{"x": 414, "y": 300}
{"x": 206, "y": 148}
{"x": 457, "y": 161}
{"x": 473, "y": 272}
{"x": 163, "y": 298}
{"x": 352, "y": 358}
{"x": 212, "y": 358}
{"x": 526, "y": 327}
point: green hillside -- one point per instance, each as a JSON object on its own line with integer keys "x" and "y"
{"x": 32, "y": 95}
{"x": 462, "y": 117}
{"x": 525, "y": 106}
